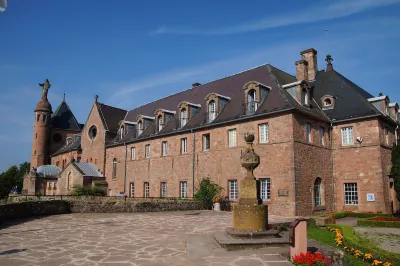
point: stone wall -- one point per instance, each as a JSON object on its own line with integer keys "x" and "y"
{"x": 34, "y": 208}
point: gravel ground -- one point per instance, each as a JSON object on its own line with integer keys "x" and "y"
{"x": 385, "y": 238}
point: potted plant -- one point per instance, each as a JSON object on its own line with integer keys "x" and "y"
{"x": 217, "y": 202}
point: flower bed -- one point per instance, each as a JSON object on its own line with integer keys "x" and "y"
{"x": 309, "y": 259}
{"x": 380, "y": 222}
{"x": 359, "y": 251}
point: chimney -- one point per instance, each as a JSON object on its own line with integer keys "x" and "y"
{"x": 310, "y": 55}
{"x": 196, "y": 84}
{"x": 302, "y": 70}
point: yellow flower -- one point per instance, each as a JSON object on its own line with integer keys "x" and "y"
{"x": 376, "y": 262}
{"x": 387, "y": 264}
{"x": 368, "y": 255}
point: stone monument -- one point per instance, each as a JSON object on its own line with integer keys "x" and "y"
{"x": 250, "y": 214}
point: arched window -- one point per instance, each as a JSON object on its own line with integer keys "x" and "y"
{"x": 304, "y": 100}
{"x": 63, "y": 164}
{"x": 211, "y": 111}
{"x": 327, "y": 102}
{"x": 183, "y": 117}
{"x": 90, "y": 160}
{"x": 140, "y": 127}
{"x": 318, "y": 192}
{"x": 252, "y": 103}
{"x": 114, "y": 173}
{"x": 160, "y": 122}
{"x": 121, "y": 132}
{"x": 69, "y": 183}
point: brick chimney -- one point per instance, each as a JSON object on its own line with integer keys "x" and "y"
{"x": 310, "y": 55}
{"x": 302, "y": 70}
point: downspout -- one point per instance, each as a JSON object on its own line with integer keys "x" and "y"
{"x": 332, "y": 171}
{"x": 126, "y": 152}
{"x": 193, "y": 155}
{"x": 395, "y": 133}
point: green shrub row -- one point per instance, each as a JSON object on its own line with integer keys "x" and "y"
{"x": 353, "y": 241}
{"x": 372, "y": 223}
{"x": 339, "y": 215}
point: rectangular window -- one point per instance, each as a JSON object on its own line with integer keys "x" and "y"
{"x": 232, "y": 137}
{"x": 206, "y": 142}
{"x": 38, "y": 117}
{"x": 233, "y": 189}
{"x": 347, "y": 136}
{"x": 265, "y": 189}
{"x": 132, "y": 190}
{"x": 183, "y": 188}
{"x": 350, "y": 194}
{"x": 147, "y": 151}
{"x": 163, "y": 189}
{"x": 387, "y": 135}
{"x": 308, "y": 132}
{"x": 133, "y": 153}
{"x": 263, "y": 133}
{"x": 164, "y": 148}
{"x": 184, "y": 145}
{"x": 322, "y": 136}
{"x": 146, "y": 190}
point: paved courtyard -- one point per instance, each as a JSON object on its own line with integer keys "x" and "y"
{"x": 170, "y": 238}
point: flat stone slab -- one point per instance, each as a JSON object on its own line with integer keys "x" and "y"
{"x": 252, "y": 235}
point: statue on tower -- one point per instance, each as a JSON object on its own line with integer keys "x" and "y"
{"x": 45, "y": 87}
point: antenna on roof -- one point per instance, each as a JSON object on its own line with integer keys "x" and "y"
{"x": 64, "y": 96}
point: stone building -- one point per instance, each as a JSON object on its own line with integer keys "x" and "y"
{"x": 324, "y": 142}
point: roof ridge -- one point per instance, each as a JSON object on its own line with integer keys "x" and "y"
{"x": 112, "y": 107}
{"x": 266, "y": 64}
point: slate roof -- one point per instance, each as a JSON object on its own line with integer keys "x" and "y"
{"x": 48, "y": 171}
{"x": 351, "y": 101}
{"x": 111, "y": 116}
{"x": 75, "y": 145}
{"x": 63, "y": 118}
{"x": 88, "y": 169}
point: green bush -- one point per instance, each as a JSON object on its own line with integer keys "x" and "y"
{"x": 87, "y": 191}
{"x": 339, "y": 215}
{"x": 206, "y": 191}
{"x": 372, "y": 223}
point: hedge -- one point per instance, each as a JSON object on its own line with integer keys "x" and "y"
{"x": 353, "y": 241}
{"x": 339, "y": 215}
{"x": 372, "y": 223}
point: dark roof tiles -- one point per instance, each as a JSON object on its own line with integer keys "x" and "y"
{"x": 111, "y": 116}
{"x": 63, "y": 118}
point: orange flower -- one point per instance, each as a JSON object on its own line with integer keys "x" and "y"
{"x": 376, "y": 262}
{"x": 387, "y": 264}
{"x": 368, "y": 255}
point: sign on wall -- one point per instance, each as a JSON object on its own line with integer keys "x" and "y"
{"x": 370, "y": 197}
{"x": 283, "y": 192}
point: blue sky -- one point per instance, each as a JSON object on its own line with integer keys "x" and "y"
{"x": 133, "y": 52}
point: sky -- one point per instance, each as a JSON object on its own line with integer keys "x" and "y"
{"x": 134, "y": 52}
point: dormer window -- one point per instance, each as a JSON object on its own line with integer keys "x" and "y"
{"x": 121, "y": 132}
{"x": 211, "y": 111}
{"x": 186, "y": 112}
{"x": 140, "y": 128}
{"x": 381, "y": 103}
{"x": 69, "y": 140}
{"x": 163, "y": 116}
{"x": 393, "y": 110}
{"x": 183, "y": 117}
{"x": 328, "y": 102}
{"x": 255, "y": 94}
{"x": 304, "y": 98}
{"x": 160, "y": 123}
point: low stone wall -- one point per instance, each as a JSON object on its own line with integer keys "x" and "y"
{"x": 130, "y": 206}
{"x": 32, "y": 208}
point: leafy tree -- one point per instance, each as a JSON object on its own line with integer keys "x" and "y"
{"x": 206, "y": 191}
{"x": 395, "y": 172}
{"x": 8, "y": 180}
{"x": 87, "y": 191}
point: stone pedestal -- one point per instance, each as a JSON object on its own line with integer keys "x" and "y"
{"x": 300, "y": 239}
{"x": 253, "y": 218}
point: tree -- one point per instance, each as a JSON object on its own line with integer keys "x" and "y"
{"x": 206, "y": 192}
{"x": 395, "y": 172}
{"x": 87, "y": 191}
{"x": 8, "y": 180}
{"x": 22, "y": 171}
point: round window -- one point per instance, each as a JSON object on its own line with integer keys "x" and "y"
{"x": 92, "y": 132}
{"x": 57, "y": 137}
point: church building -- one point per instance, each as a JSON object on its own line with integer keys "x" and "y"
{"x": 324, "y": 142}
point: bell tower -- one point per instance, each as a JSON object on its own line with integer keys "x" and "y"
{"x": 41, "y": 129}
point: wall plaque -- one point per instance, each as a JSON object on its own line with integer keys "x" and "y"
{"x": 283, "y": 192}
{"x": 370, "y": 197}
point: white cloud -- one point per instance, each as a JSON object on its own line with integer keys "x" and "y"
{"x": 321, "y": 12}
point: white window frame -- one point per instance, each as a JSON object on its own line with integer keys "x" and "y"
{"x": 184, "y": 145}
{"x": 115, "y": 164}
{"x": 133, "y": 153}
{"x": 132, "y": 190}
{"x": 386, "y": 130}
{"x": 211, "y": 111}
{"x": 147, "y": 151}
{"x": 160, "y": 123}
{"x": 163, "y": 189}
{"x": 146, "y": 190}
{"x": 263, "y": 132}
{"x": 233, "y": 190}
{"x": 183, "y": 189}
{"x": 206, "y": 139}
{"x": 183, "y": 117}
{"x": 265, "y": 189}
{"x": 322, "y": 136}
{"x": 347, "y": 136}
{"x": 164, "y": 148}
{"x": 140, "y": 128}
{"x": 317, "y": 192}
{"x": 232, "y": 137}
{"x": 351, "y": 193}
{"x": 308, "y": 133}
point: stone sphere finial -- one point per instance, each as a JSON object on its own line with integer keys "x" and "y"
{"x": 249, "y": 137}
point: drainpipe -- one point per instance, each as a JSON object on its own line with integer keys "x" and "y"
{"x": 193, "y": 155}
{"x": 126, "y": 151}
{"x": 333, "y": 179}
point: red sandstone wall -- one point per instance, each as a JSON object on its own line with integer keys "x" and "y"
{"x": 65, "y": 156}
{"x": 94, "y": 151}
{"x": 55, "y": 146}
